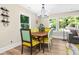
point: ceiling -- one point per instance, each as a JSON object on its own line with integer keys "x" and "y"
{"x": 51, "y": 8}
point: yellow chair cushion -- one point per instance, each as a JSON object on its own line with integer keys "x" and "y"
{"x": 69, "y": 51}
{"x": 47, "y": 29}
{"x": 34, "y": 30}
{"x": 45, "y": 40}
{"x": 34, "y": 42}
{"x": 77, "y": 45}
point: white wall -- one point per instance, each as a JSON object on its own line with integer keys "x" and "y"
{"x": 45, "y": 22}
{"x": 12, "y": 32}
{"x": 72, "y": 13}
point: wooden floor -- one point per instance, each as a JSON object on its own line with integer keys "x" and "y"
{"x": 58, "y": 48}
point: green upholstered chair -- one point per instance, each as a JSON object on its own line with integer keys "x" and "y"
{"x": 27, "y": 39}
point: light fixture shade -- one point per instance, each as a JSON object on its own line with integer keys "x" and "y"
{"x": 43, "y": 12}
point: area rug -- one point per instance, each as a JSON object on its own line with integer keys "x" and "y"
{"x": 72, "y": 49}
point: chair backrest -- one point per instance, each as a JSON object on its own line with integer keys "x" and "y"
{"x": 47, "y": 29}
{"x": 50, "y": 33}
{"x": 26, "y": 35}
{"x": 34, "y": 30}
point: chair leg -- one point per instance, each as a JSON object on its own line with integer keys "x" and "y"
{"x": 31, "y": 50}
{"x": 50, "y": 45}
{"x": 22, "y": 49}
{"x": 39, "y": 47}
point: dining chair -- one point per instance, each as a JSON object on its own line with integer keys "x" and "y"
{"x": 34, "y": 30}
{"x": 47, "y": 29}
{"x": 46, "y": 38}
{"x": 50, "y": 39}
{"x": 27, "y": 40}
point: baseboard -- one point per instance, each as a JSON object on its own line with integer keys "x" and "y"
{"x": 3, "y": 49}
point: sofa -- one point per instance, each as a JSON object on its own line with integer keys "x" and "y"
{"x": 73, "y": 37}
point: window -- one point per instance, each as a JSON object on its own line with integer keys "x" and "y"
{"x": 77, "y": 22}
{"x": 63, "y": 22}
{"x": 71, "y": 21}
{"x": 24, "y": 20}
{"x": 52, "y": 23}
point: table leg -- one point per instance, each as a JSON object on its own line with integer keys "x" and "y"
{"x": 43, "y": 44}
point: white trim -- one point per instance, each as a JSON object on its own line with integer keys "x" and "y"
{"x": 6, "y": 48}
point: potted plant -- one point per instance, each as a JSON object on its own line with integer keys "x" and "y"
{"x": 41, "y": 28}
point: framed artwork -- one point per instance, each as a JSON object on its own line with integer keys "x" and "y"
{"x": 24, "y": 20}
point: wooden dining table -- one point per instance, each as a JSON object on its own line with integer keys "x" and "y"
{"x": 40, "y": 36}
